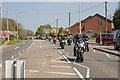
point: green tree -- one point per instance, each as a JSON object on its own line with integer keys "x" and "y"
{"x": 40, "y": 29}
{"x": 116, "y": 19}
{"x": 61, "y": 31}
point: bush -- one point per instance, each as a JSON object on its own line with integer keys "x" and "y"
{"x": 95, "y": 34}
{"x": 30, "y": 38}
{"x": 26, "y": 38}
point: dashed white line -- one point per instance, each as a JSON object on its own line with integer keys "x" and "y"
{"x": 62, "y": 73}
{"x": 32, "y": 70}
{"x": 16, "y": 47}
{"x": 79, "y": 74}
{"x": 61, "y": 66}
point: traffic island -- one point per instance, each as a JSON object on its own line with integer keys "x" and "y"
{"x": 108, "y": 50}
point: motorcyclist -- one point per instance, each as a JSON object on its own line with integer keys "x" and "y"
{"x": 49, "y": 38}
{"x": 76, "y": 39}
{"x": 85, "y": 39}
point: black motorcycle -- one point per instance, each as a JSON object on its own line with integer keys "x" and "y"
{"x": 62, "y": 44}
{"x": 69, "y": 41}
{"x": 79, "y": 50}
{"x": 86, "y": 45}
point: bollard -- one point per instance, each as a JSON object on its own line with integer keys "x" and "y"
{"x": 14, "y": 69}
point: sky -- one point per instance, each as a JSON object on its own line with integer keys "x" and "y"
{"x": 33, "y": 14}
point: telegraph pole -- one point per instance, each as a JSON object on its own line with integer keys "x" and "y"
{"x": 79, "y": 18}
{"x": 106, "y": 14}
{"x": 57, "y": 25}
{"x": 7, "y": 24}
{"x": 69, "y": 22}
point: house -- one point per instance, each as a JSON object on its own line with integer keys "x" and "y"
{"x": 54, "y": 30}
{"x": 66, "y": 29}
{"x": 45, "y": 31}
{"x": 90, "y": 24}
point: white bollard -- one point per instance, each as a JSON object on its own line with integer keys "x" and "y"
{"x": 14, "y": 69}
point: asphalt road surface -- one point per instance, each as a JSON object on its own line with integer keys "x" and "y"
{"x": 44, "y": 59}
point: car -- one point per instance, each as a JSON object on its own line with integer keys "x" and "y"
{"x": 106, "y": 39}
{"x": 116, "y": 39}
{"x": 43, "y": 38}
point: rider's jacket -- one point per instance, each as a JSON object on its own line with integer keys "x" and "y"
{"x": 85, "y": 37}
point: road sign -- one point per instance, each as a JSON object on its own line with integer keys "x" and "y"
{"x": 99, "y": 22}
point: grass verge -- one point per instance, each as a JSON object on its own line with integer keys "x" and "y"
{"x": 11, "y": 42}
{"x": 92, "y": 38}
{"x": 2, "y": 42}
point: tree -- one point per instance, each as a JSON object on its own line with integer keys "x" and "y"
{"x": 40, "y": 29}
{"x": 116, "y": 19}
{"x": 29, "y": 33}
{"x": 61, "y": 31}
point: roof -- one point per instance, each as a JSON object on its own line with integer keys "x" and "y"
{"x": 90, "y": 17}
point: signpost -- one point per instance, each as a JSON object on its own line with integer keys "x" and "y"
{"x": 100, "y": 23}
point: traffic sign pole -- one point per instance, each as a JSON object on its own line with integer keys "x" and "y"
{"x": 100, "y": 23}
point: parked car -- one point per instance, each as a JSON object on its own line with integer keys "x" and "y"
{"x": 116, "y": 39}
{"x": 106, "y": 39}
{"x": 43, "y": 38}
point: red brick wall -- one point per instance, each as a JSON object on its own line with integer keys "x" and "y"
{"x": 93, "y": 24}
{"x": 74, "y": 29}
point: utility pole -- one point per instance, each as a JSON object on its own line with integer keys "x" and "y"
{"x": 7, "y": 24}
{"x": 69, "y": 22}
{"x": 106, "y": 14}
{"x": 57, "y": 25}
{"x": 79, "y": 18}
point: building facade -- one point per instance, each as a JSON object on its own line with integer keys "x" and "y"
{"x": 90, "y": 24}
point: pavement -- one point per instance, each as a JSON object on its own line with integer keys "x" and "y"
{"x": 46, "y": 60}
{"x": 105, "y": 48}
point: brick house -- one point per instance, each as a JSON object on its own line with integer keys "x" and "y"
{"x": 54, "y": 30}
{"x": 90, "y": 24}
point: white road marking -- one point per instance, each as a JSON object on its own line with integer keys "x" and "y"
{"x": 61, "y": 66}
{"x": 23, "y": 50}
{"x": 53, "y": 60}
{"x": 62, "y": 73}
{"x": 59, "y": 51}
{"x": 88, "y": 69}
{"x": 12, "y": 57}
{"x": 44, "y": 63}
{"x": 29, "y": 47}
{"x": 94, "y": 50}
{"x": 110, "y": 56}
{"x": 40, "y": 46}
{"x": 79, "y": 74}
{"x": 66, "y": 59}
{"x": 32, "y": 70}
{"x": 23, "y": 43}
{"x": 16, "y": 47}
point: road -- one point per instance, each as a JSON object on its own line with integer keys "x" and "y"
{"x": 44, "y": 59}
{"x": 14, "y": 51}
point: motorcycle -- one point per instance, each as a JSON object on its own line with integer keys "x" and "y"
{"x": 86, "y": 45}
{"x": 49, "y": 39}
{"x": 69, "y": 41}
{"x": 79, "y": 50}
{"x": 54, "y": 40}
{"x": 62, "y": 44}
